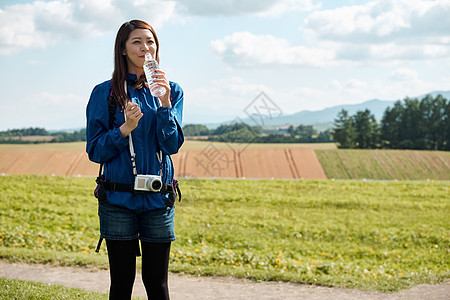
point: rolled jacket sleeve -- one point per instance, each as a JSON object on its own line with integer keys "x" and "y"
{"x": 102, "y": 143}
{"x": 169, "y": 120}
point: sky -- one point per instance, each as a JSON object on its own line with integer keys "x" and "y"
{"x": 302, "y": 54}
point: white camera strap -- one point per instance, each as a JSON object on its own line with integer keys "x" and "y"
{"x": 130, "y": 143}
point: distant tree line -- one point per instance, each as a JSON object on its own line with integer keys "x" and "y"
{"x": 244, "y": 133}
{"x": 32, "y": 131}
{"x": 410, "y": 124}
{"x": 67, "y": 137}
{"x": 14, "y": 136}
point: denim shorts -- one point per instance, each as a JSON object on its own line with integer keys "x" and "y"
{"x": 118, "y": 223}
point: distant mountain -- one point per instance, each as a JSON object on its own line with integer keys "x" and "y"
{"x": 445, "y": 94}
{"x": 323, "y": 119}
{"x": 306, "y": 117}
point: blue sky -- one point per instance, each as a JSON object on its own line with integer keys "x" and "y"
{"x": 303, "y": 54}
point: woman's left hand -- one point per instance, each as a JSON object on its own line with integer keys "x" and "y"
{"x": 159, "y": 78}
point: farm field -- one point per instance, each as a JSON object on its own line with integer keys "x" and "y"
{"x": 385, "y": 164}
{"x": 198, "y": 159}
{"x": 188, "y": 145}
{"x": 33, "y": 138}
{"x": 195, "y": 159}
{"x": 367, "y": 235}
{"x": 81, "y": 146}
{"x": 200, "y": 145}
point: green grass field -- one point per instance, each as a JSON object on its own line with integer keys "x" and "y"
{"x": 26, "y": 290}
{"x": 19, "y": 289}
{"x": 385, "y": 164}
{"x": 380, "y": 236}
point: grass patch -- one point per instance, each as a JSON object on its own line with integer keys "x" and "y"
{"x": 21, "y": 290}
{"x": 27, "y": 290}
{"x": 385, "y": 164}
{"x": 380, "y": 236}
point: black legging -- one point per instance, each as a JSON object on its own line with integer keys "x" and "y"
{"x": 122, "y": 264}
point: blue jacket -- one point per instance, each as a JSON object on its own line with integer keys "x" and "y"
{"x": 158, "y": 129}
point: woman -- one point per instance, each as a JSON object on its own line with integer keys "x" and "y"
{"x": 154, "y": 125}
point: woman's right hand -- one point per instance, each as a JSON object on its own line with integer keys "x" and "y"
{"x": 132, "y": 116}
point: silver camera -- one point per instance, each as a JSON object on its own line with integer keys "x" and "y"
{"x": 152, "y": 183}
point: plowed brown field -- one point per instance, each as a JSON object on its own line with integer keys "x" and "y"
{"x": 211, "y": 161}
{"x": 290, "y": 163}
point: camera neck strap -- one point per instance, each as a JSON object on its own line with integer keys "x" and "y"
{"x": 130, "y": 143}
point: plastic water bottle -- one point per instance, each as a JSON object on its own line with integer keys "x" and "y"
{"x": 150, "y": 65}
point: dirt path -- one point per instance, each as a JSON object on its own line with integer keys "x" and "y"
{"x": 218, "y": 288}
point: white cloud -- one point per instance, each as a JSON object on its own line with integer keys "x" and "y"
{"x": 381, "y": 20}
{"x": 384, "y": 29}
{"x": 404, "y": 74}
{"x": 334, "y": 85}
{"x": 41, "y": 24}
{"x": 244, "y": 49}
{"x": 355, "y": 84}
{"x": 379, "y": 32}
{"x": 355, "y": 88}
{"x": 262, "y": 8}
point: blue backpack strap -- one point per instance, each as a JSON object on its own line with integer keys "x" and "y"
{"x": 112, "y": 106}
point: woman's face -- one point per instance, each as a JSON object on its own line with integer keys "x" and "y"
{"x": 138, "y": 44}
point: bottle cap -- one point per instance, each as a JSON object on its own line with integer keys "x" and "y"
{"x": 148, "y": 56}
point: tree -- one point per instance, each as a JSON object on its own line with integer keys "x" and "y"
{"x": 223, "y": 129}
{"x": 432, "y": 123}
{"x": 390, "y": 126}
{"x": 291, "y": 131}
{"x": 410, "y": 130}
{"x": 302, "y": 133}
{"x": 305, "y": 132}
{"x": 367, "y": 130}
{"x": 417, "y": 124}
{"x": 343, "y": 130}
{"x": 324, "y": 136}
{"x": 446, "y": 127}
{"x": 31, "y": 131}
{"x": 195, "y": 130}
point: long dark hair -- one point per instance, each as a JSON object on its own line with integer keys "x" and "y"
{"x": 120, "y": 61}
